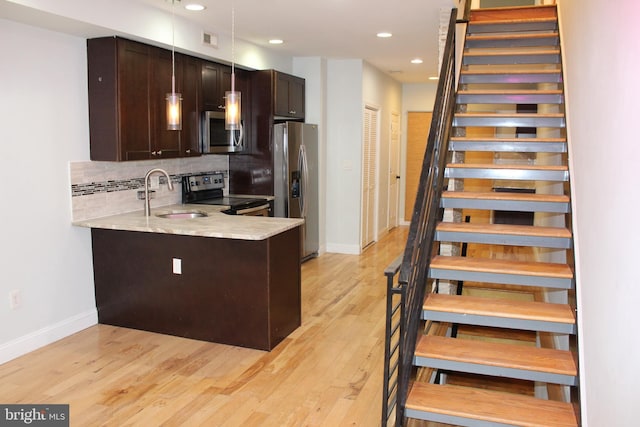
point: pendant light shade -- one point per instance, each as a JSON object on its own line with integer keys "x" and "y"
{"x": 174, "y": 100}
{"x": 233, "y": 104}
{"x": 174, "y": 111}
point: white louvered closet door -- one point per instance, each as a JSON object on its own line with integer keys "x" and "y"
{"x": 369, "y": 175}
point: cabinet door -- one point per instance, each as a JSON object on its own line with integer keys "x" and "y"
{"x": 165, "y": 143}
{"x": 134, "y": 64}
{"x": 191, "y": 100}
{"x": 216, "y": 79}
{"x": 289, "y": 96}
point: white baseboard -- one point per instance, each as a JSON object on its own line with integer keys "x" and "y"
{"x": 47, "y": 335}
{"x": 343, "y": 249}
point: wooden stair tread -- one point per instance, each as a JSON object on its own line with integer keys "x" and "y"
{"x": 514, "y": 71}
{"x": 516, "y": 197}
{"x": 502, "y": 266}
{"x": 490, "y": 406}
{"x": 512, "y": 52}
{"x": 496, "y": 354}
{"x": 511, "y": 36}
{"x": 509, "y": 92}
{"x": 471, "y": 139}
{"x": 495, "y": 166}
{"x": 515, "y": 20}
{"x": 510, "y": 115}
{"x": 503, "y": 308}
{"x": 510, "y": 229}
{"x": 546, "y": 12}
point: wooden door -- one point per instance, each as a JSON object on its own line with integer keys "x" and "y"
{"x": 418, "y": 124}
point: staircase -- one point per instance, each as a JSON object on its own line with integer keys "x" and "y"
{"x": 516, "y": 279}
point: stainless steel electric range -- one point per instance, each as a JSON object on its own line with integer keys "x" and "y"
{"x": 208, "y": 189}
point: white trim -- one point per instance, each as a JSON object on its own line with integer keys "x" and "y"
{"x": 340, "y": 248}
{"x": 47, "y": 335}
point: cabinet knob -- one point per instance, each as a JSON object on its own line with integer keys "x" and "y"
{"x": 188, "y": 151}
{"x": 159, "y": 152}
{"x": 221, "y": 107}
{"x": 153, "y": 153}
{"x": 292, "y": 112}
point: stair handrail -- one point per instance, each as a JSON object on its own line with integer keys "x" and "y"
{"x": 414, "y": 270}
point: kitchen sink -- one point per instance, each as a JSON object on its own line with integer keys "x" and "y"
{"x": 182, "y": 215}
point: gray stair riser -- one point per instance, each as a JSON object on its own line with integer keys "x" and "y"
{"x": 514, "y": 59}
{"x": 510, "y": 99}
{"x": 510, "y": 78}
{"x": 504, "y": 239}
{"x": 507, "y": 174}
{"x": 509, "y": 147}
{"x": 504, "y": 205}
{"x": 450, "y": 419}
{"x": 529, "y": 122}
{"x": 495, "y": 371}
{"x": 478, "y": 28}
{"x": 499, "y": 322}
{"x": 501, "y": 279}
{"x": 551, "y": 41}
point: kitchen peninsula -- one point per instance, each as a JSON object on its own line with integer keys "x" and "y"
{"x": 220, "y": 278}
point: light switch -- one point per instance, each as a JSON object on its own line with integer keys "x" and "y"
{"x": 177, "y": 266}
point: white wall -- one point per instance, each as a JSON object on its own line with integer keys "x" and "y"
{"x": 352, "y": 84}
{"x": 44, "y": 126}
{"x": 344, "y": 152}
{"x": 602, "y": 59}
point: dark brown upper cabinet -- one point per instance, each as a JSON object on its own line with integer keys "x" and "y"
{"x": 128, "y": 84}
{"x": 213, "y": 85}
{"x": 289, "y": 96}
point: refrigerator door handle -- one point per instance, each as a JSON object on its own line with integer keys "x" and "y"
{"x": 303, "y": 167}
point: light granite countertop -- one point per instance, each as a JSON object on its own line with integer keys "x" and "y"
{"x": 215, "y": 224}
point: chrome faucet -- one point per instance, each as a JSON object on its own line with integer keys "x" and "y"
{"x": 147, "y": 206}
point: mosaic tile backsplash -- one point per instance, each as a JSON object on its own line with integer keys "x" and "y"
{"x": 109, "y": 188}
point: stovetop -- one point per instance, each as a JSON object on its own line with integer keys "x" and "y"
{"x": 207, "y": 189}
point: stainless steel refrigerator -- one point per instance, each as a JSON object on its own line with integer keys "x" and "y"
{"x": 295, "y": 170}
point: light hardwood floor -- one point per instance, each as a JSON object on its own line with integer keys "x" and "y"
{"x": 326, "y": 373}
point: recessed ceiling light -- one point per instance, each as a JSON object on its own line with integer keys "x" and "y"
{"x": 276, "y": 41}
{"x": 194, "y": 7}
{"x": 384, "y": 35}
{"x": 417, "y": 61}
{"x": 434, "y": 78}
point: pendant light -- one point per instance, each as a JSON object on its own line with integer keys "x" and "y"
{"x": 232, "y": 110}
{"x": 174, "y": 100}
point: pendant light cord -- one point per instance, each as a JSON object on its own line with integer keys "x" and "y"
{"x": 233, "y": 47}
{"x": 173, "y": 48}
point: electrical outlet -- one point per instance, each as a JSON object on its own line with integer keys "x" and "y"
{"x": 177, "y": 266}
{"x": 15, "y": 299}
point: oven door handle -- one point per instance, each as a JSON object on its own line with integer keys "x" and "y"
{"x": 251, "y": 210}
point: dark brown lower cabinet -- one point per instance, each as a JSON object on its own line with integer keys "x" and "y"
{"x": 237, "y": 292}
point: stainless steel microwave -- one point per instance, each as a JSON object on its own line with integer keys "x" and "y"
{"x": 217, "y": 139}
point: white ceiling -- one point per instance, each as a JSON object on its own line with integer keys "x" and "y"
{"x": 333, "y": 29}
